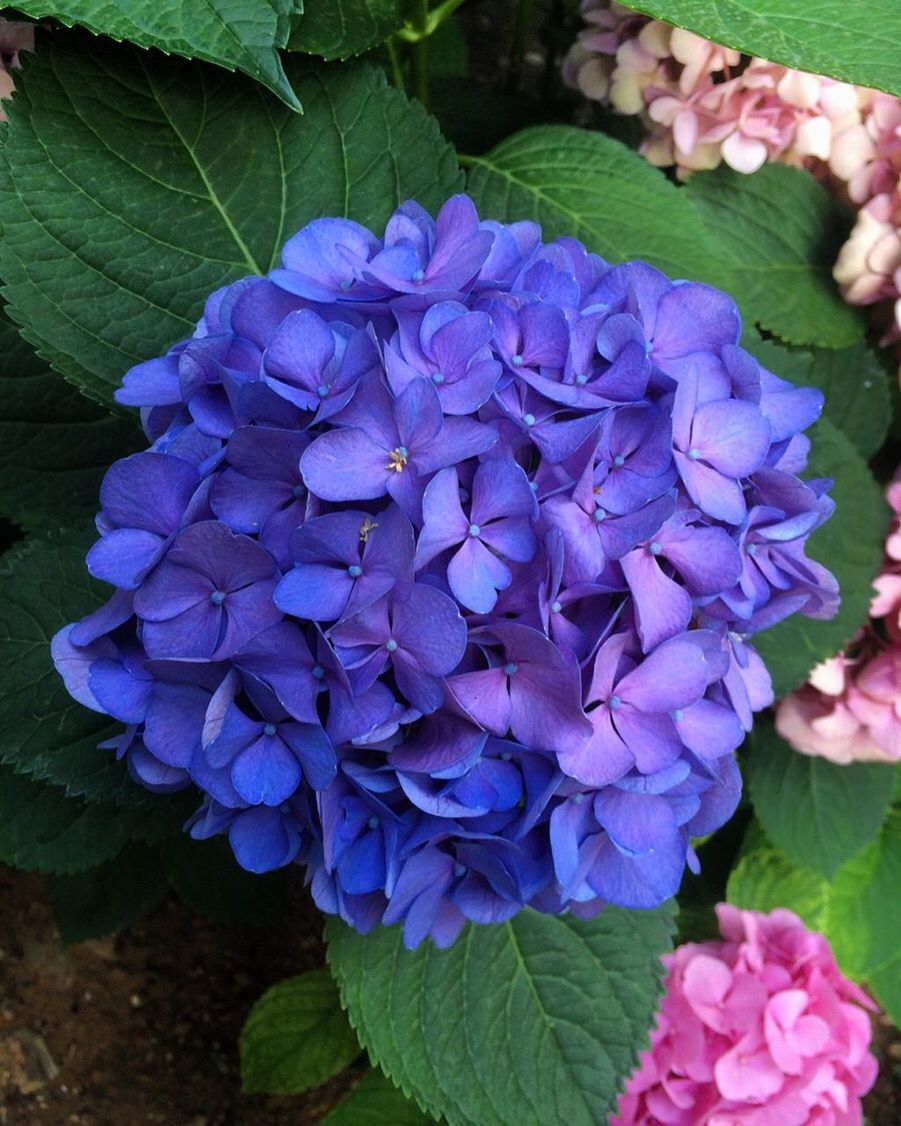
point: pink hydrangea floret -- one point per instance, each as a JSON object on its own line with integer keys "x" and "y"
{"x": 850, "y": 708}
{"x": 758, "y": 1029}
{"x": 14, "y": 37}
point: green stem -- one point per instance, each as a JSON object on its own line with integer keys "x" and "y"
{"x": 397, "y": 75}
{"x": 418, "y": 18}
{"x": 518, "y": 45}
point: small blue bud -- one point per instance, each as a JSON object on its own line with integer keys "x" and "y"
{"x": 217, "y": 597}
{"x": 460, "y": 870}
{"x": 511, "y": 668}
{"x": 373, "y": 822}
{"x": 619, "y": 460}
{"x": 318, "y": 672}
{"x": 516, "y": 360}
{"x": 355, "y": 570}
{"x": 474, "y": 530}
{"x": 614, "y": 702}
{"x": 269, "y": 729}
{"x": 418, "y": 276}
{"x": 438, "y": 378}
{"x": 529, "y": 419}
{"x": 556, "y": 606}
{"x": 694, "y": 453}
{"x": 390, "y": 644}
{"x": 655, "y": 548}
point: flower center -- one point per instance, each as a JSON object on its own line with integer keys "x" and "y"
{"x": 390, "y": 644}
{"x": 460, "y": 870}
{"x": 373, "y": 822}
{"x": 581, "y": 380}
{"x": 556, "y": 607}
{"x": 599, "y": 515}
{"x": 516, "y": 360}
{"x": 269, "y": 729}
{"x": 510, "y": 668}
{"x": 317, "y": 672}
{"x": 619, "y": 460}
{"x": 322, "y": 390}
{"x": 397, "y": 459}
{"x": 217, "y": 597}
{"x": 529, "y": 419}
{"x": 614, "y": 702}
{"x": 355, "y": 570}
{"x": 298, "y": 491}
{"x": 694, "y": 453}
{"x": 474, "y": 530}
{"x": 438, "y": 377}
{"x": 418, "y": 276}
{"x": 655, "y": 548}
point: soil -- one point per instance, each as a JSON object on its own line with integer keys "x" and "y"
{"x": 142, "y": 1027}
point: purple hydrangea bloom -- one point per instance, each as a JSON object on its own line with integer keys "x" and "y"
{"x": 438, "y": 574}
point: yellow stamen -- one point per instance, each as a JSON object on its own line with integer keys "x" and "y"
{"x": 365, "y": 528}
{"x": 397, "y": 460}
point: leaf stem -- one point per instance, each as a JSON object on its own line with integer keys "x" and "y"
{"x": 418, "y": 18}
{"x": 397, "y": 75}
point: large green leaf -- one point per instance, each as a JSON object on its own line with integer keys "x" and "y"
{"x": 864, "y": 917}
{"x": 853, "y": 380}
{"x": 107, "y": 898}
{"x": 127, "y": 194}
{"x": 55, "y": 445}
{"x": 338, "y": 29}
{"x": 375, "y": 1101}
{"x": 44, "y": 733}
{"x": 235, "y": 34}
{"x": 850, "y": 544}
{"x": 817, "y": 813}
{"x": 42, "y": 828}
{"x": 778, "y": 233}
{"x": 764, "y": 880}
{"x": 296, "y": 1036}
{"x": 206, "y": 876}
{"x": 574, "y": 182}
{"x": 539, "y": 1019}
{"x": 857, "y": 41}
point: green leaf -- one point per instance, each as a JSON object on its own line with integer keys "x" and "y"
{"x": 375, "y": 1101}
{"x": 108, "y": 898}
{"x": 850, "y": 544}
{"x": 853, "y": 380}
{"x": 235, "y": 34}
{"x": 593, "y": 188}
{"x": 127, "y": 195}
{"x": 777, "y": 234}
{"x": 765, "y": 879}
{"x": 55, "y": 445}
{"x": 207, "y": 877}
{"x": 538, "y": 1019}
{"x": 42, "y": 828}
{"x": 817, "y": 813}
{"x": 864, "y": 919}
{"x": 296, "y": 1036}
{"x": 338, "y": 29}
{"x": 43, "y": 732}
{"x": 856, "y": 42}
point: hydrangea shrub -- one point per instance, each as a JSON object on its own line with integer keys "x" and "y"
{"x": 468, "y": 535}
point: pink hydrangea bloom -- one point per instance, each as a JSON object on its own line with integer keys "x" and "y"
{"x": 759, "y": 1029}
{"x": 850, "y": 709}
{"x": 14, "y": 37}
{"x": 702, "y": 103}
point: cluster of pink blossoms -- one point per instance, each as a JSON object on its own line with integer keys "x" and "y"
{"x": 702, "y": 104}
{"x": 850, "y": 710}
{"x": 14, "y": 37}
{"x": 759, "y": 1029}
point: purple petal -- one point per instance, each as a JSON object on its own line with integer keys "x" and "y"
{"x": 266, "y": 773}
{"x": 732, "y": 436}
{"x": 662, "y": 607}
{"x": 346, "y": 465}
{"x": 122, "y": 557}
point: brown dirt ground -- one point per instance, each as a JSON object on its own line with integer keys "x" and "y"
{"x": 142, "y": 1028}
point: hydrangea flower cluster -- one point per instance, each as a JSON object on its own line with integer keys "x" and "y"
{"x": 702, "y": 103}
{"x": 14, "y": 37}
{"x": 438, "y": 572}
{"x": 759, "y": 1028}
{"x": 850, "y": 709}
